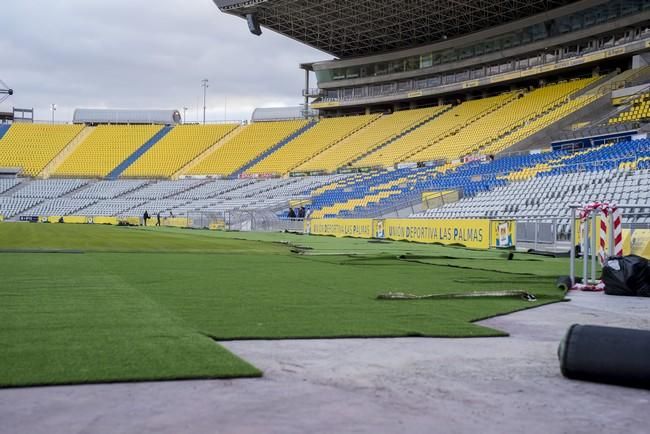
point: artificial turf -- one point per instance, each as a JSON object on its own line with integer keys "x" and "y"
{"x": 143, "y": 304}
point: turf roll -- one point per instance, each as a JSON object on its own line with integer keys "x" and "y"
{"x": 564, "y": 283}
{"x": 606, "y": 355}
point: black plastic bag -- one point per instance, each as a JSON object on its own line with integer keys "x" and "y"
{"x": 628, "y": 275}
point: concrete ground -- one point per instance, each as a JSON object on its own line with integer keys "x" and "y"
{"x": 487, "y": 385}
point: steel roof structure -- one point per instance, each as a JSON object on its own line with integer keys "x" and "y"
{"x": 353, "y": 28}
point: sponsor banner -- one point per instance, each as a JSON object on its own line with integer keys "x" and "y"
{"x": 379, "y": 228}
{"x": 105, "y": 220}
{"x": 69, "y": 219}
{"x": 357, "y": 228}
{"x": 470, "y": 233}
{"x": 638, "y": 242}
{"x": 135, "y": 221}
{"x": 90, "y": 220}
{"x": 503, "y": 233}
{"x": 175, "y": 222}
{"x": 218, "y": 225}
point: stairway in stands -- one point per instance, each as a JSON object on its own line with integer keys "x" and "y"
{"x": 272, "y": 149}
{"x": 115, "y": 173}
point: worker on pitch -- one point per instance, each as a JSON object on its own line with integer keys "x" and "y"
{"x": 158, "y": 219}
{"x": 145, "y": 217}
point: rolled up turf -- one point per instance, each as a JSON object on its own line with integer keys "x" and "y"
{"x": 606, "y": 355}
{"x": 564, "y": 283}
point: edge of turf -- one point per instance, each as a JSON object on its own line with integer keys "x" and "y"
{"x": 523, "y": 308}
{"x": 258, "y": 374}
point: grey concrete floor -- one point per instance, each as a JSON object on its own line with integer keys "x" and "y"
{"x": 493, "y": 385}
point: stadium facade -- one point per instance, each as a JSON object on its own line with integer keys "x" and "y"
{"x": 392, "y": 55}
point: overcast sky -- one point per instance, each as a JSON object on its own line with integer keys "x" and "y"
{"x": 143, "y": 54}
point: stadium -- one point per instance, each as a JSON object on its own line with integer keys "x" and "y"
{"x": 314, "y": 268}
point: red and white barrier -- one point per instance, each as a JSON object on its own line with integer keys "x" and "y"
{"x": 606, "y": 209}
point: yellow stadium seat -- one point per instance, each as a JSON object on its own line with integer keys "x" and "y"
{"x": 32, "y": 146}
{"x": 253, "y": 140}
{"x": 176, "y": 149}
{"x": 639, "y": 110}
{"x": 364, "y": 141}
{"x": 509, "y": 117}
{"x": 104, "y": 149}
{"x": 325, "y": 134}
{"x": 445, "y": 125}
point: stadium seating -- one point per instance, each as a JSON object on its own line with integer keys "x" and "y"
{"x": 111, "y": 207}
{"x": 324, "y": 135}
{"x": 517, "y": 113}
{"x": 8, "y": 184}
{"x": 49, "y": 188}
{"x": 176, "y": 149}
{"x": 404, "y": 187}
{"x": 13, "y": 206}
{"x": 60, "y": 207}
{"x": 32, "y": 146}
{"x": 245, "y": 147}
{"x": 130, "y": 198}
{"x": 607, "y": 173}
{"x": 387, "y": 128}
{"x": 108, "y": 189}
{"x": 163, "y": 189}
{"x": 639, "y": 110}
{"x": 531, "y": 127}
{"x": 554, "y": 194}
{"x": 447, "y": 124}
{"x": 105, "y": 148}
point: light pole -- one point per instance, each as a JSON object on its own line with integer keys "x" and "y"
{"x": 53, "y": 109}
{"x": 184, "y": 115}
{"x": 205, "y": 85}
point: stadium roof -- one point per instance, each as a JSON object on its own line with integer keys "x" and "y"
{"x": 351, "y": 28}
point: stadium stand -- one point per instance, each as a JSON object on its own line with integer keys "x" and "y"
{"x": 50, "y": 188}
{"x": 518, "y": 113}
{"x": 163, "y": 189}
{"x": 108, "y": 189}
{"x": 8, "y": 183}
{"x": 325, "y": 134}
{"x": 386, "y": 129}
{"x": 372, "y": 194}
{"x": 130, "y": 198}
{"x": 110, "y": 208}
{"x": 555, "y": 192}
{"x": 253, "y": 140}
{"x": 176, "y": 149}
{"x": 639, "y": 110}
{"x": 60, "y": 207}
{"x": 534, "y": 125}
{"x": 32, "y": 146}
{"x": 447, "y": 124}
{"x": 106, "y": 148}
{"x": 12, "y": 206}
{"x": 607, "y": 173}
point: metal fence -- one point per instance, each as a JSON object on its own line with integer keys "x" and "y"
{"x": 237, "y": 220}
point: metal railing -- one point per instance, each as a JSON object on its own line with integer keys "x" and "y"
{"x": 589, "y": 244}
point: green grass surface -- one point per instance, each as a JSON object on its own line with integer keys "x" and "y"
{"x": 144, "y": 304}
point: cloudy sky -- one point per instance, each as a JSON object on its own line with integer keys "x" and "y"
{"x": 143, "y": 54}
